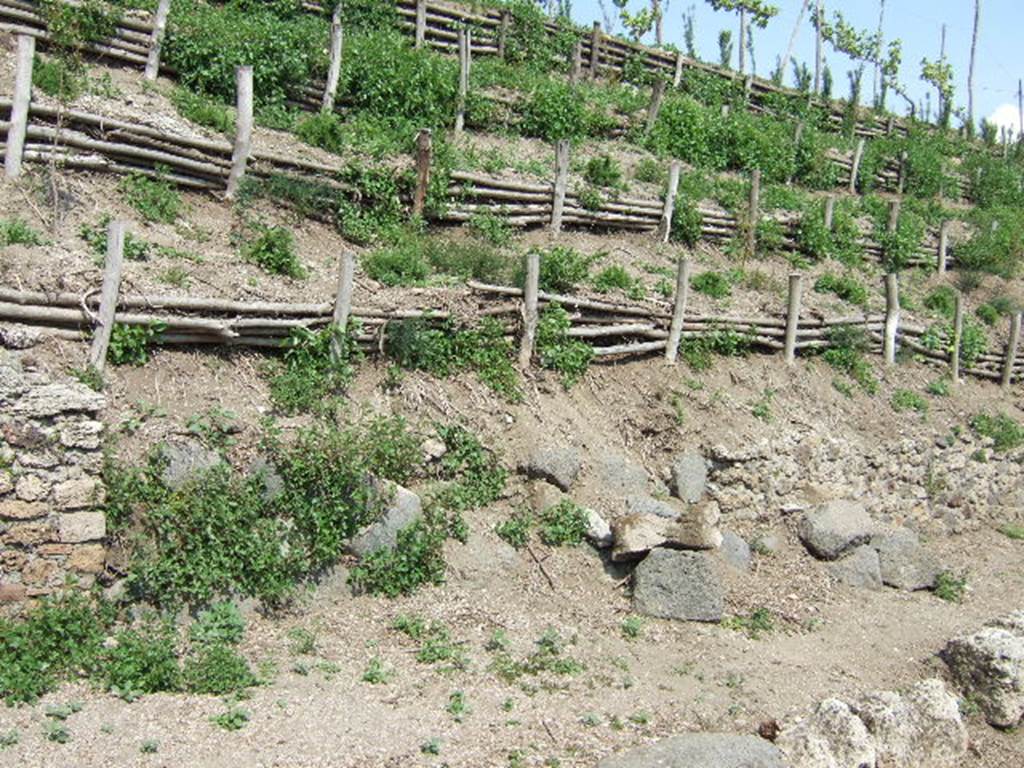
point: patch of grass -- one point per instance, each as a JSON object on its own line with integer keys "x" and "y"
{"x": 941, "y": 300}
{"x": 548, "y": 657}
{"x": 301, "y": 641}
{"x": 615, "y": 277}
{"x": 632, "y": 627}
{"x": 714, "y": 284}
{"x": 156, "y": 200}
{"x": 376, "y": 673}
{"x": 1013, "y": 531}
{"x": 1005, "y": 433}
{"x": 762, "y": 409}
{"x": 699, "y": 351}
{"x": 951, "y": 587}
{"x": 273, "y": 249}
{"x": 907, "y": 400}
{"x": 563, "y": 524}
{"x": 603, "y": 171}
{"x": 431, "y": 747}
{"x": 60, "y": 77}
{"x": 845, "y": 353}
{"x": 233, "y": 719}
{"x": 149, "y": 747}
{"x": 18, "y": 232}
{"x": 9, "y": 739}
{"x": 203, "y": 110}
{"x": 316, "y": 370}
{"x": 938, "y": 388}
{"x": 457, "y": 706}
{"x": 516, "y": 529}
{"x": 217, "y": 669}
{"x": 845, "y": 287}
{"x": 758, "y": 623}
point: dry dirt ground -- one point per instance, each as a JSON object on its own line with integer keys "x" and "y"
{"x": 315, "y": 710}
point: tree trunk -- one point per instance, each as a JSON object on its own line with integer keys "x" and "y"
{"x": 820, "y": 15}
{"x": 743, "y": 40}
{"x": 970, "y": 72}
{"x": 658, "y": 28}
{"x": 784, "y": 64}
{"x": 878, "y": 64}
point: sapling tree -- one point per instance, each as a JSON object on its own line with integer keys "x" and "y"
{"x": 939, "y": 73}
{"x": 725, "y": 48}
{"x": 864, "y": 48}
{"x": 757, "y": 12}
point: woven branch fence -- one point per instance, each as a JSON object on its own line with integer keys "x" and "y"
{"x": 437, "y": 25}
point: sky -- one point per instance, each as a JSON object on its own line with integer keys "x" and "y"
{"x": 918, "y": 23}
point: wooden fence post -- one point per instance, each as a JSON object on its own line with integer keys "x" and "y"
{"x": 421, "y": 23}
{"x": 530, "y": 292}
{"x": 657, "y": 96}
{"x": 1011, "y": 350}
{"x": 901, "y": 177}
{"x": 830, "y": 211}
{"x": 677, "y": 76}
{"x": 243, "y": 134}
{"x": 678, "y": 311}
{"x": 156, "y": 40}
{"x": 665, "y": 226}
{"x": 793, "y": 316}
{"x": 108, "y": 295}
{"x": 892, "y": 316}
{"x": 334, "y": 67}
{"x": 506, "y": 20}
{"x": 858, "y": 153}
{"x": 940, "y": 266}
{"x": 958, "y": 334}
{"x": 343, "y": 301}
{"x": 561, "y": 181}
{"x": 19, "y": 106}
{"x": 465, "y": 42}
{"x": 748, "y": 84}
{"x": 595, "y": 49}
{"x": 894, "y": 214}
{"x": 424, "y": 150}
{"x": 576, "y": 66}
{"x": 753, "y": 212}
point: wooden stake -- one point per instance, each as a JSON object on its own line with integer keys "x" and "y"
{"x": 19, "y": 106}
{"x": 595, "y": 49}
{"x": 894, "y": 214}
{"x": 506, "y": 20}
{"x": 830, "y": 211}
{"x": 561, "y": 180}
{"x": 665, "y": 227}
{"x": 576, "y": 68}
{"x": 464, "y": 48}
{"x": 108, "y": 295}
{"x": 424, "y": 150}
{"x": 243, "y": 134}
{"x": 156, "y": 40}
{"x": 855, "y": 168}
{"x": 334, "y": 67}
{"x": 677, "y": 77}
{"x": 530, "y": 309}
{"x": 958, "y": 334}
{"x": 343, "y": 301}
{"x": 1011, "y": 350}
{"x": 421, "y": 23}
{"x": 657, "y": 95}
{"x": 678, "y": 310}
{"x": 753, "y": 212}
{"x": 793, "y": 316}
{"x": 902, "y": 174}
{"x": 892, "y": 316}
{"x": 940, "y": 266}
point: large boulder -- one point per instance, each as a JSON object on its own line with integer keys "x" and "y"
{"x": 694, "y": 528}
{"x": 619, "y": 476}
{"x": 673, "y": 584}
{"x": 988, "y": 666}
{"x": 858, "y": 569}
{"x": 903, "y": 563}
{"x": 689, "y": 476}
{"x": 186, "y": 460}
{"x": 834, "y": 528}
{"x": 559, "y": 466}
{"x": 401, "y": 509}
{"x": 832, "y": 737}
{"x": 642, "y": 504}
{"x": 699, "y": 750}
{"x": 735, "y": 551}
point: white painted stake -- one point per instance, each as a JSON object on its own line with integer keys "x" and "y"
{"x": 892, "y": 316}
{"x": 156, "y": 40}
{"x": 678, "y": 311}
{"x": 19, "y": 106}
{"x": 530, "y": 294}
{"x": 793, "y": 316}
{"x": 108, "y": 295}
{"x": 243, "y": 134}
{"x": 334, "y": 68}
{"x": 665, "y": 227}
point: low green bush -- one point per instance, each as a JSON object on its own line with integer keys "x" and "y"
{"x": 203, "y": 110}
{"x": 563, "y": 268}
{"x": 845, "y": 287}
{"x": 941, "y": 300}
{"x": 17, "y": 232}
{"x": 316, "y": 369}
{"x": 845, "y": 353}
{"x": 559, "y": 352}
{"x": 155, "y": 199}
{"x": 714, "y": 284}
{"x": 273, "y": 249}
{"x": 143, "y": 661}
{"x": 1005, "y": 432}
{"x": 564, "y": 523}
{"x": 603, "y": 171}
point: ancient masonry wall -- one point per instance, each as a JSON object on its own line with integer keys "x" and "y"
{"x": 51, "y": 528}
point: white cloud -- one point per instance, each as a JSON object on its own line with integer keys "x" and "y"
{"x": 1006, "y": 115}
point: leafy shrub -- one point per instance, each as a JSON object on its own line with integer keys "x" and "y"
{"x": 324, "y": 130}
{"x": 650, "y": 171}
{"x": 217, "y": 669}
{"x": 562, "y": 268}
{"x": 899, "y": 247}
{"x": 415, "y": 560}
{"x": 516, "y": 529}
{"x": 135, "y": 249}
{"x": 845, "y": 353}
{"x": 155, "y": 199}
{"x": 143, "y": 661}
{"x": 129, "y": 344}
{"x": 18, "y": 232}
{"x": 63, "y": 79}
{"x": 686, "y": 222}
{"x": 846, "y": 287}
{"x": 564, "y": 523}
{"x": 203, "y": 110}
{"x": 951, "y": 587}
{"x": 491, "y": 228}
{"x": 559, "y": 352}
{"x": 1005, "y": 433}
{"x": 603, "y": 171}
{"x": 996, "y": 244}
{"x": 988, "y": 314}
{"x": 220, "y": 624}
{"x": 273, "y": 249}
{"x": 759, "y": 622}
{"x": 317, "y": 368}
{"x": 714, "y": 284}
{"x": 473, "y": 476}
{"x": 698, "y": 351}
{"x": 554, "y": 111}
{"x": 942, "y": 300}
{"x": 973, "y": 340}
{"x": 401, "y": 264}
{"x": 614, "y": 277}
{"x": 907, "y": 400}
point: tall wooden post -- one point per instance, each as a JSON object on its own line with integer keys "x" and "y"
{"x": 678, "y": 310}
{"x": 334, "y": 67}
{"x": 576, "y": 65}
{"x": 958, "y": 334}
{"x": 657, "y": 96}
{"x": 561, "y": 181}
{"x": 243, "y": 133}
{"x": 424, "y": 150}
{"x": 156, "y": 40}
{"x": 677, "y": 76}
{"x": 108, "y": 295}
{"x": 506, "y": 20}
{"x": 892, "y": 317}
{"x": 342, "y": 302}
{"x": 858, "y": 153}
{"x": 665, "y": 225}
{"x": 830, "y": 211}
{"x": 753, "y": 212}
{"x": 421, "y": 23}
{"x": 894, "y": 214}
{"x": 465, "y": 42}
{"x": 530, "y": 293}
{"x": 940, "y": 266}
{"x": 595, "y": 50}
{"x": 1011, "y": 350}
{"x": 793, "y": 316}
{"x": 19, "y": 106}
